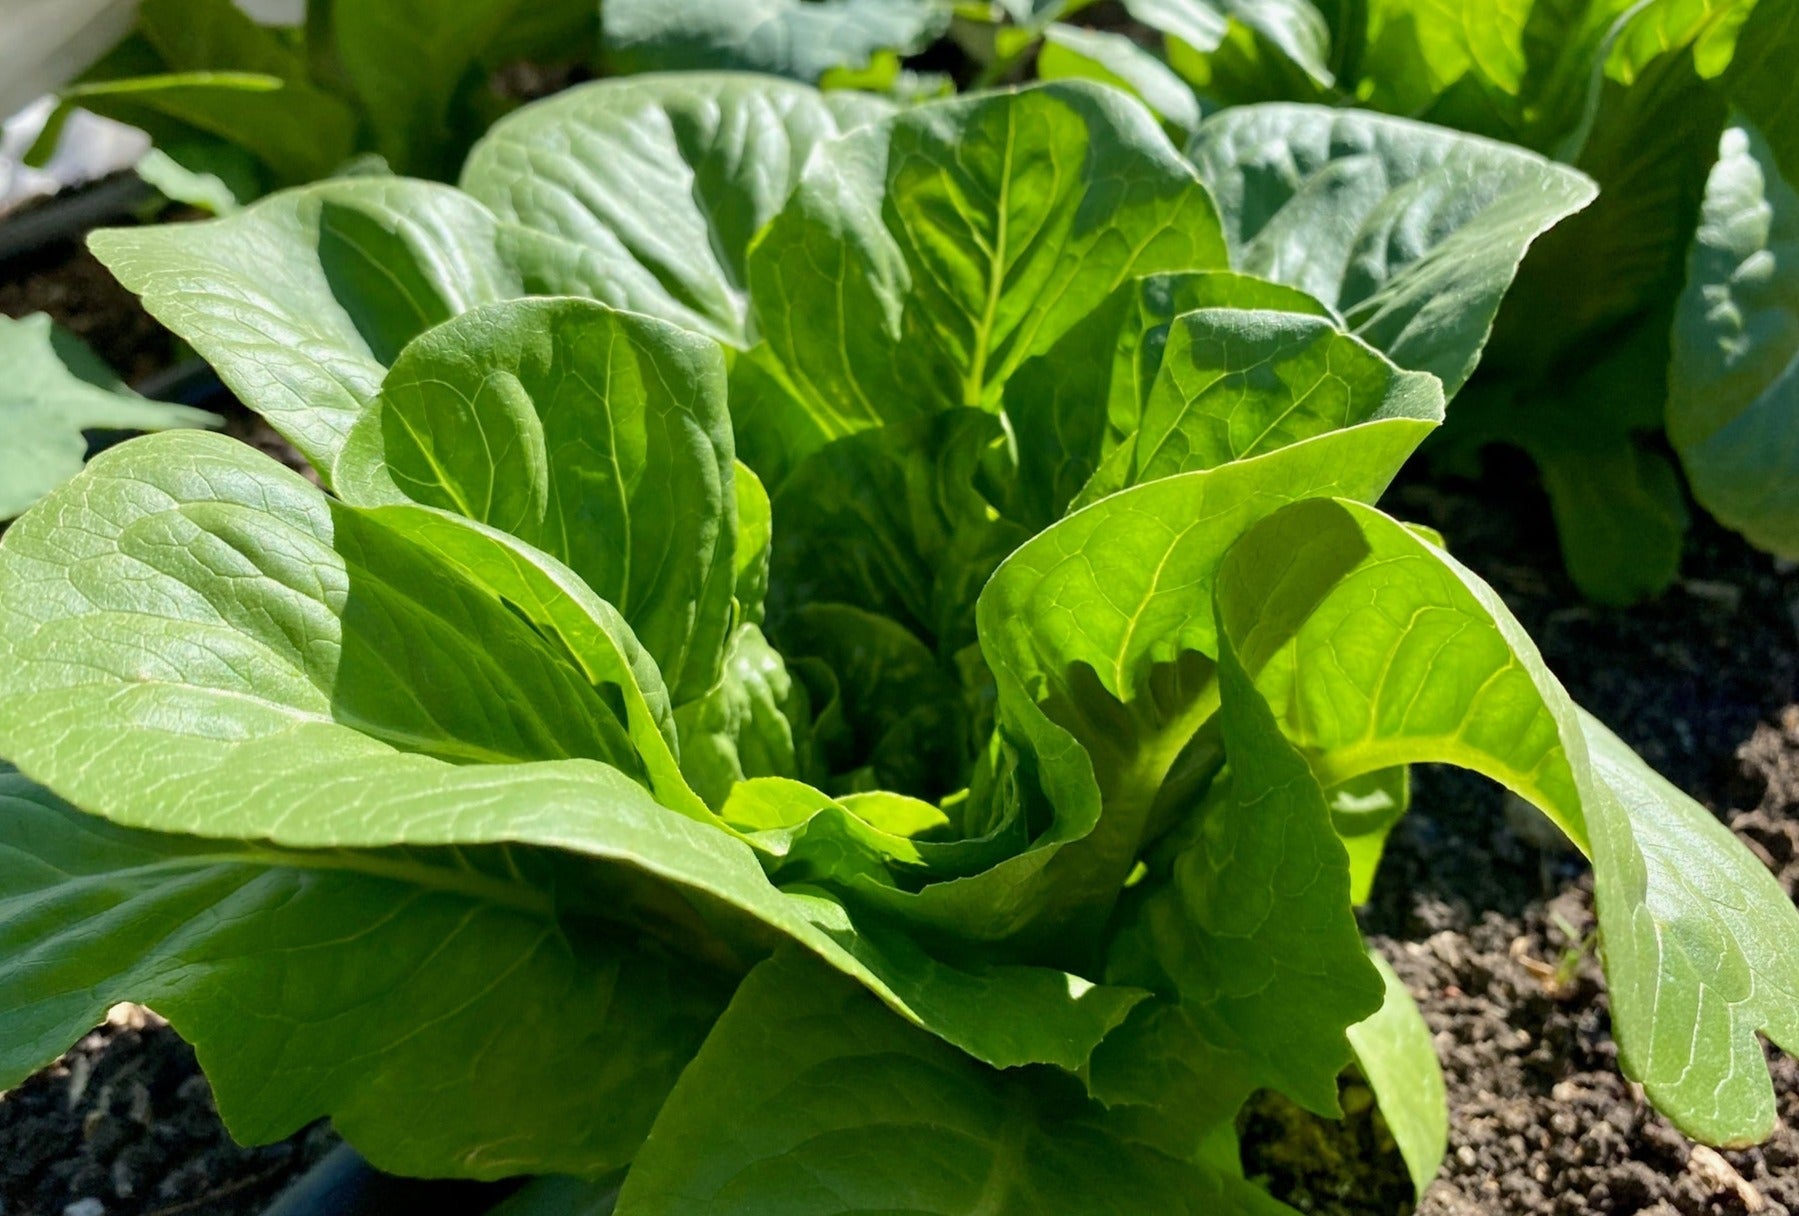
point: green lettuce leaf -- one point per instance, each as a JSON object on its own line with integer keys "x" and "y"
{"x": 1395, "y": 1053}
{"x": 812, "y": 1098}
{"x": 1375, "y": 648}
{"x": 645, "y": 193}
{"x": 1734, "y": 379}
{"x": 921, "y": 259}
{"x": 1412, "y": 233}
{"x": 301, "y": 301}
{"x": 56, "y": 389}
{"x": 596, "y": 436}
{"x": 354, "y": 691}
{"x": 800, "y": 39}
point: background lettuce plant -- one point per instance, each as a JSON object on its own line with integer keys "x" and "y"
{"x": 1665, "y": 306}
{"x": 847, "y": 662}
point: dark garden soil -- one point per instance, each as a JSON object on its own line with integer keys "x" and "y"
{"x": 1487, "y": 925}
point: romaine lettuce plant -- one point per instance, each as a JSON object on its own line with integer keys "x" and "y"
{"x": 1668, "y": 304}
{"x": 848, "y": 664}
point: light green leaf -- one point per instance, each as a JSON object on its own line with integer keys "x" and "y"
{"x": 1234, "y": 384}
{"x": 1365, "y": 810}
{"x": 923, "y": 258}
{"x": 1072, "y": 52}
{"x": 755, "y": 536}
{"x": 1375, "y": 648}
{"x": 813, "y": 1099}
{"x": 203, "y": 66}
{"x": 1395, "y": 1053}
{"x": 644, "y": 193}
{"x": 564, "y": 611}
{"x": 599, "y": 437}
{"x": 1412, "y": 233}
{"x": 1734, "y": 379}
{"x": 56, "y": 388}
{"x": 1295, "y": 28}
{"x": 800, "y": 39}
{"x": 301, "y": 301}
{"x": 448, "y": 966}
{"x": 346, "y": 688}
{"x": 1113, "y": 355}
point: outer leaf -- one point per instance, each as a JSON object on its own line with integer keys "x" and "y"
{"x": 1734, "y": 379}
{"x": 349, "y": 689}
{"x": 1411, "y": 232}
{"x": 307, "y": 965}
{"x": 644, "y": 193}
{"x": 1294, "y": 27}
{"x": 812, "y": 1099}
{"x": 1375, "y": 648}
{"x": 596, "y": 436}
{"x": 301, "y": 301}
{"x": 1395, "y": 1053}
{"x": 56, "y": 389}
{"x": 801, "y": 39}
{"x": 206, "y": 67}
{"x": 922, "y": 259}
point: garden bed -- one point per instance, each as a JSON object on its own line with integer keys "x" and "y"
{"x": 1701, "y": 683}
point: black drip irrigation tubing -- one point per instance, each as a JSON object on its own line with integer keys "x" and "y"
{"x": 343, "y": 1184}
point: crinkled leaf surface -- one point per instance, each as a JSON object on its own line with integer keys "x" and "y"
{"x": 301, "y": 301}
{"x": 1252, "y": 939}
{"x": 56, "y": 388}
{"x": 645, "y": 192}
{"x": 1375, "y": 648}
{"x": 1733, "y": 390}
{"x": 447, "y": 966}
{"x": 813, "y": 1099}
{"x": 921, "y": 259}
{"x": 1411, "y": 232}
{"x": 801, "y": 39}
